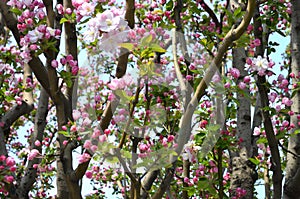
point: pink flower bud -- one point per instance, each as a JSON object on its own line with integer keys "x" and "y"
{"x": 68, "y": 11}
{"x": 89, "y": 174}
{"x": 54, "y": 63}
{"x": 37, "y": 143}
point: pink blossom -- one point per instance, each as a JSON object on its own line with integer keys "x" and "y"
{"x": 63, "y": 61}
{"x": 227, "y": 85}
{"x": 37, "y": 143}
{"x": 106, "y": 131}
{"x": 64, "y": 128}
{"x": 54, "y": 63}
{"x": 256, "y": 131}
{"x": 69, "y": 57}
{"x": 60, "y": 9}
{"x": 235, "y": 72}
{"x": 284, "y": 83}
{"x": 8, "y": 179}
{"x": 96, "y": 133}
{"x": 143, "y": 147}
{"x": 258, "y": 64}
{"x": 86, "y": 122}
{"x": 247, "y": 79}
{"x": 33, "y": 47}
{"x": 287, "y": 101}
{"x": 75, "y": 70}
{"x": 257, "y": 42}
{"x": 114, "y": 84}
{"x": 2, "y": 158}
{"x": 69, "y": 11}
{"x": 189, "y": 77}
{"x": 216, "y": 78}
{"x": 107, "y": 21}
{"x": 86, "y": 9}
{"x": 242, "y": 85}
{"x": 272, "y": 97}
{"x": 89, "y": 174}
{"x": 84, "y": 158}
{"x": 73, "y": 128}
{"x": 33, "y": 153}
{"x": 65, "y": 142}
{"x": 186, "y": 180}
{"x": 87, "y": 144}
{"x": 102, "y": 138}
{"x": 285, "y": 123}
{"x": 10, "y": 162}
{"x": 212, "y": 163}
{"x": 34, "y": 35}
{"x": 94, "y": 148}
{"x": 170, "y": 138}
{"x": 76, "y": 114}
{"x": 13, "y": 168}
{"x": 214, "y": 170}
{"x": 278, "y": 108}
{"x": 261, "y": 72}
{"x": 111, "y": 97}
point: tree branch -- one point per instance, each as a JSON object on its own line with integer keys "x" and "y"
{"x": 29, "y": 178}
{"x": 211, "y": 13}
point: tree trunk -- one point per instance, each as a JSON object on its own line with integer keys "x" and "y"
{"x": 242, "y": 172}
{"x": 292, "y": 179}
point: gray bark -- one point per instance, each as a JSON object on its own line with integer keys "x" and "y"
{"x": 242, "y": 170}
{"x": 292, "y": 178}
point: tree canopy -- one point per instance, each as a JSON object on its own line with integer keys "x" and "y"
{"x": 149, "y": 99}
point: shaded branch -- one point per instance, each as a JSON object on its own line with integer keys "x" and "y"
{"x": 29, "y": 178}
{"x": 211, "y": 13}
{"x": 263, "y": 93}
{"x": 272, "y": 141}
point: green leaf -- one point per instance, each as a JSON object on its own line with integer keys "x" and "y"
{"x": 63, "y": 20}
{"x": 146, "y": 40}
{"x": 128, "y": 46}
{"x": 262, "y": 140}
{"x": 296, "y": 132}
{"x": 169, "y": 5}
{"x": 157, "y": 48}
{"x": 122, "y": 94}
{"x": 237, "y": 12}
{"x": 126, "y": 154}
{"x": 67, "y": 77}
{"x": 16, "y": 11}
{"x": 213, "y": 127}
{"x": 254, "y": 161}
{"x": 112, "y": 159}
{"x": 64, "y": 133}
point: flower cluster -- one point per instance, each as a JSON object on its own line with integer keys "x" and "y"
{"x": 107, "y": 29}
{"x": 31, "y": 22}
{"x": 7, "y": 165}
{"x": 37, "y": 39}
{"x": 259, "y": 65}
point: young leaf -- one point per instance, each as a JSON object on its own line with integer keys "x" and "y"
{"x": 146, "y": 40}
{"x": 157, "y": 48}
{"x": 128, "y": 46}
